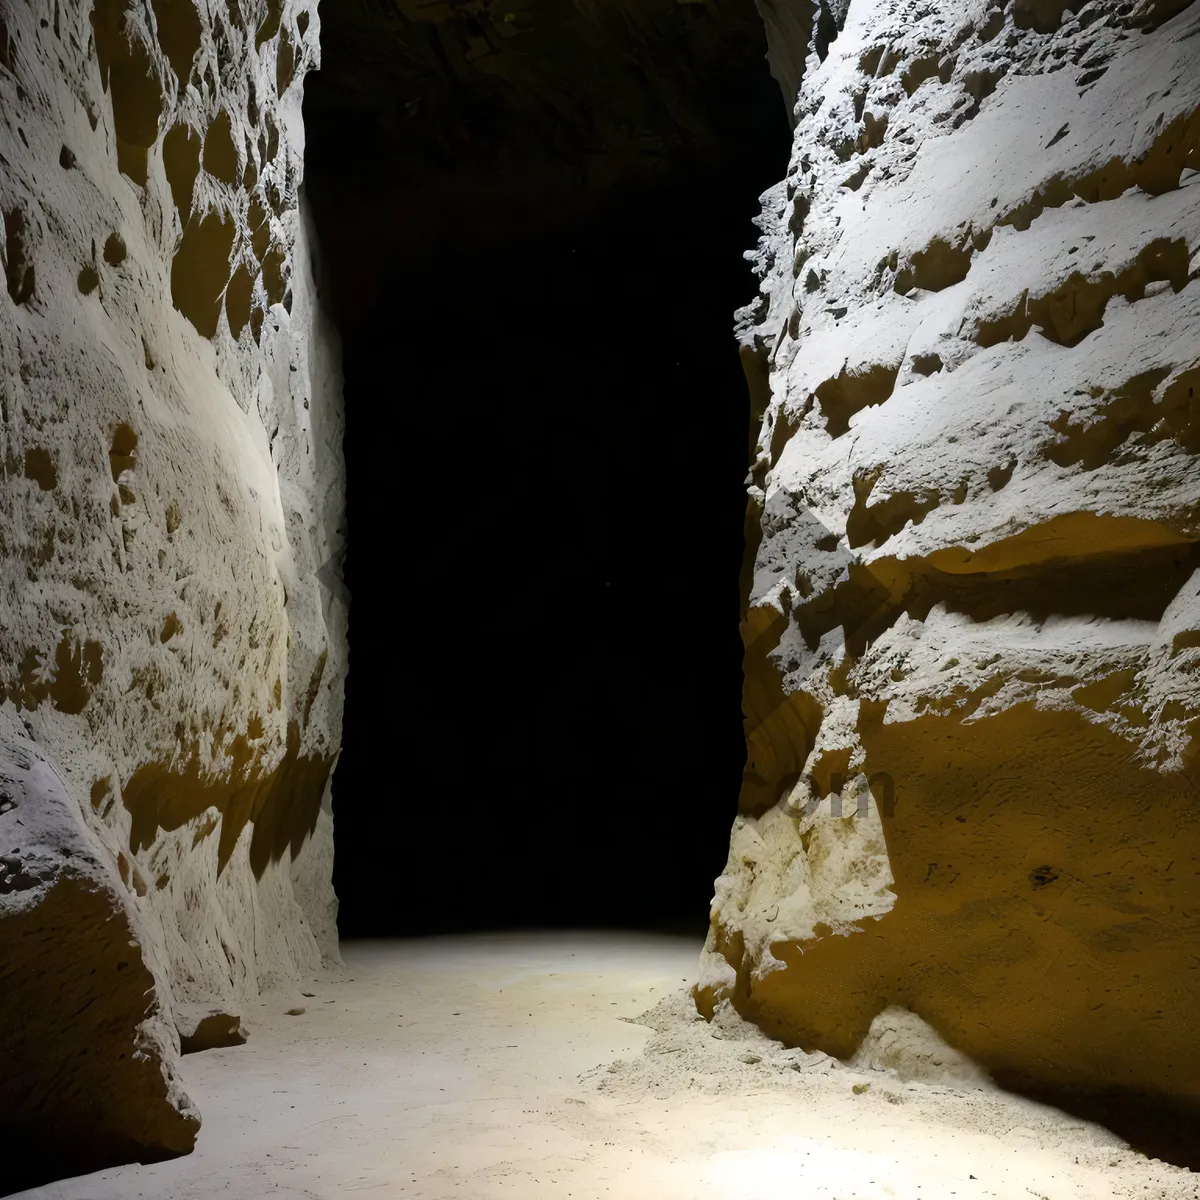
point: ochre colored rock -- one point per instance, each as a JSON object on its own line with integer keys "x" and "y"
{"x": 172, "y": 648}
{"x": 972, "y": 616}
{"x": 87, "y": 1067}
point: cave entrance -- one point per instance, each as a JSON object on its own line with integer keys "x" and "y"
{"x": 533, "y": 262}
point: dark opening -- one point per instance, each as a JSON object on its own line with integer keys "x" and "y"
{"x": 545, "y": 446}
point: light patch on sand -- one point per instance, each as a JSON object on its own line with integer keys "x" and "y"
{"x": 573, "y": 1065}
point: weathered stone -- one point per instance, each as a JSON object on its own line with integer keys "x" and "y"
{"x": 172, "y": 640}
{"x": 972, "y": 616}
{"x": 87, "y": 1071}
{"x": 204, "y": 1028}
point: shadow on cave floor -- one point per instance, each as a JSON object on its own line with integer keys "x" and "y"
{"x": 1151, "y": 1125}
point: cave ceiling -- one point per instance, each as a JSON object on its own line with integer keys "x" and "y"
{"x": 453, "y": 126}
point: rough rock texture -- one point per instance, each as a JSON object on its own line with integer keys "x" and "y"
{"x": 202, "y": 1028}
{"x": 172, "y": 648}
{"x": 972, "y": 617}
{"x": 88, "y": 1043}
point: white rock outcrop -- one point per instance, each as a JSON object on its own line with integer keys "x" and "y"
{"x": 972, "y": 610}
{"x": 172, "y": 650}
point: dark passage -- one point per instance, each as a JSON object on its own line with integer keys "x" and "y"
{"x": 546, "y": 434}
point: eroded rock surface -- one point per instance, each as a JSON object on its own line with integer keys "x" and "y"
{"x": 172, "y": 649}
{"x": 972, "y": 616}
{"x": 88, "y": 1060}
{"x": 203, "y": 1028}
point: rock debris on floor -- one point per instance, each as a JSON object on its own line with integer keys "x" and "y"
{"x": 569, "y": 1065}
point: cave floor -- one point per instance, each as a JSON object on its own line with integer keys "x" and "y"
{"x": 508, "y": 1066}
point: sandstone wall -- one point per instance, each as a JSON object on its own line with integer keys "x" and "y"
{"x": 972, "y": 617}
{"x": 172, "y": 645}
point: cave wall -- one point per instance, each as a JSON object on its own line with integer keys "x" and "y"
{"x": 972, "y": 595}
{"x": 172, "y": 649}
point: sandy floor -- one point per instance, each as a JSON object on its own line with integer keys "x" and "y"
{"x": 508, "y": 1067}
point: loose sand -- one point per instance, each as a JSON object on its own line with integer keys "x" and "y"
{"x": 513, "y": 1066}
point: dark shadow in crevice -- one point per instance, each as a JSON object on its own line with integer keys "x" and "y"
{"x": 545, "y": 449}
{"x": 1152, "y": 1125}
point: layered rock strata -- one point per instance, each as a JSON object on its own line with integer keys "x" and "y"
{"x": 172, "y": 649}
{"x": 972, "y": 598}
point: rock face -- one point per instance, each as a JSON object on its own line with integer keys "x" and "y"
{"x": 88, "y": 1041}
{"x": 972, "y": 606}
{"x": 172, "y": 650}
{"x": 203, "y": 1028}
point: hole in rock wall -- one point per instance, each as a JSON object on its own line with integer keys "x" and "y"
{"x": 18, "y": 263}
{"x": 220, "y": 157}
{"x": 545, "y": 443}
{"x": 178, "y": 31}
{"x": 181, "y": 160}
{"x": 200, "y": 270}
{"x": 129, "y": 75}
